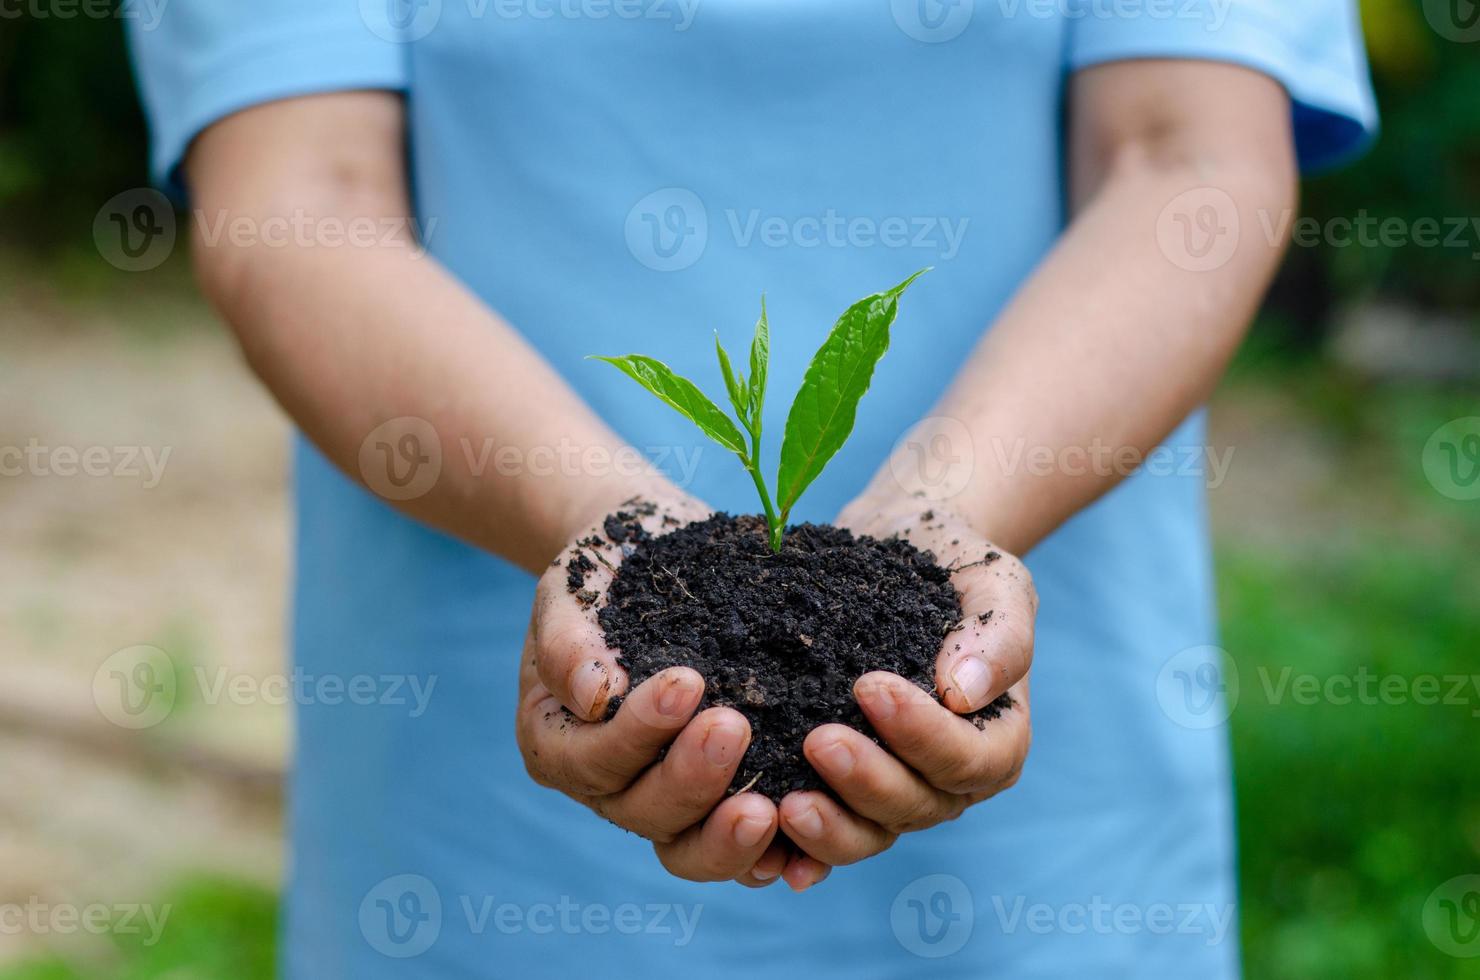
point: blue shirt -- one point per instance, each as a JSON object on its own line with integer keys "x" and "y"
{"x": 628, "y": 175}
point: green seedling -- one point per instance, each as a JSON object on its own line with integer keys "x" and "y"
{"x": 821, "y": 416}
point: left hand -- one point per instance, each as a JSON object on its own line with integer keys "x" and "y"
{"x": 937, "y": 763}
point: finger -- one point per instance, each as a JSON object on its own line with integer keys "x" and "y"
{"x": 991, "y": 649}
{"x": 949, "y": 752}
{"x": 828, "y": 832}
{"x": 727, "y": 845}
{"x": 767, "y": 871}
{"x": 803, "y": 871}
{"x": 601, "y": 758}
{"x": 875, "y": 785}
{"x": 692, "y": 778}
{"x": 571, "y": 655}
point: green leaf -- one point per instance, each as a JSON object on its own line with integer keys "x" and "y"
{"x": 826, "y": 406}
{"x": 760, "y": 364}
{"x": 735, "y": 386}
{"x": 683, "y": 396}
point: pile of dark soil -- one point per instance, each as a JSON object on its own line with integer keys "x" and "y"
{"x": 781, "y": 638}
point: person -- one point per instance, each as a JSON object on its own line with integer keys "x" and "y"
{"x": 1099, "y": 188}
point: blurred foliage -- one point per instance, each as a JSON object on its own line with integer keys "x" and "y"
{"x": 1425, "y": 165}
{"x": 71, "y": 131}
{"x": 1351, "y": 814}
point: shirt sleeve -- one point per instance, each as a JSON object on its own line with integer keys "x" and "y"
{"x": 202, "y": 60}
{"x": 1312, "y": 47}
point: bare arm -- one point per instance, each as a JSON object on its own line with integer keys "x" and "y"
{"x": 1120, "y": 333}
{"x": 349, "y": 336}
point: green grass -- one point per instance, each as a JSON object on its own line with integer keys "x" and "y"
{"x": 1352, "y": 814}
{"x": 216, "y": 930}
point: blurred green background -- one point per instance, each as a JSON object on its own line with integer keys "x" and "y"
{"x": 1336, "y": 555}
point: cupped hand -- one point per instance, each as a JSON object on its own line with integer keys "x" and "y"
{"x": 568, "y": 677}
{"x": 937, "y": 762}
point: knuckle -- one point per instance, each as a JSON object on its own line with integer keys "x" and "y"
{"x": 916, "y": 814}
{"x": 960, "y": 781}
{"x": 596, "y": 774}
{"x": 973, "y": 773}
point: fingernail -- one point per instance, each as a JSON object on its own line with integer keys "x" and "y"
{"x": 750, "y": 830}
{"x": 677, "y": 697}
{"x": 836, "y": 758}
{"x": 760, "y": 875}
{"x": 878, "y": 699}
{"x": 587, "y": 686}
{"x": 722, "y": 744}
{"x": 972, "y": 678}
{"x": 808, "y": 823}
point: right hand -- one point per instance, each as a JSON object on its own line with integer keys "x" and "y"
{"x": 567, "y": 678}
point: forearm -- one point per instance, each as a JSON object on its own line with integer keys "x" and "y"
{"x": 1110, "y": 344}
{"x": 349, "y": 338}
